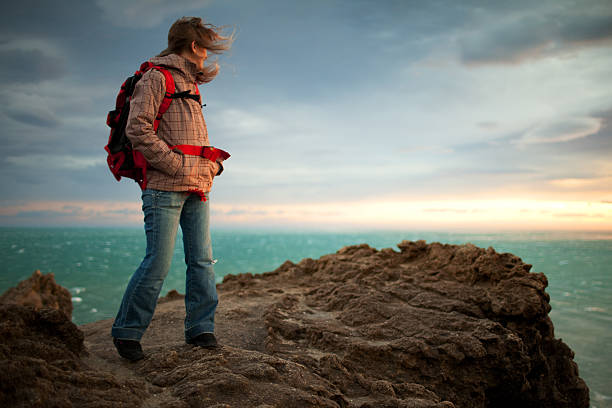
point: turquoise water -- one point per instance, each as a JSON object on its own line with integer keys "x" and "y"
{"x": 96, "y": 263}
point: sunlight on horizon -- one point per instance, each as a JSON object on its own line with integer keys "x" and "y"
{"x": 493, "y": 215}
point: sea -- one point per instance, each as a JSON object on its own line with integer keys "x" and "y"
{"x": 95, "y": 264}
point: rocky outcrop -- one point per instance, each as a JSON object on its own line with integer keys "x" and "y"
{"x": 42, "y": 353}
{"x": 467, "y": 324}
{"x": 40, "y": 291}
{"x": 41, "y": 364}
{"x": 426, "y": 326}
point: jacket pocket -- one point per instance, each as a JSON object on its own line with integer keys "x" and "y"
{"x": 188, "y": 173}
{"x": 207, "y": 172}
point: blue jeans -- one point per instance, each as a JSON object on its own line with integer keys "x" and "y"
{"x": 163, "y": 211}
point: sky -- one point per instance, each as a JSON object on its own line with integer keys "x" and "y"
{"x": 339, "y": 114}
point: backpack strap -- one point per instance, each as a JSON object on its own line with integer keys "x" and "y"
{"x": 188, "y": 95}
{"x": 168, "y": 96}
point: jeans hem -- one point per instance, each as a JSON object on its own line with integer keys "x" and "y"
{"x": 126, "y": 334}
{"x": 198, "y": 329}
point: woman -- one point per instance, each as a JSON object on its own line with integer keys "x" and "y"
{"x": 178, "y": 184}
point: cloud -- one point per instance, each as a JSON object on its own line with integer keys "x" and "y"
{"x": 443, "y": 210}
{"x": 34, "y": 116}
{"x": 29, "y": 66}
{"x": 65, "y": 116}
{"x": 488, "y": 125}
{"x": 585, "y": 182}
{"x": 146, "y": 13}
{"x": 237, "y": 122}
{"x": 579, "y": 215}
{"x": 31, "y": 105}
{"x": 27, "y": 60}
{"x": 561, "y": 130}
{"x": 51, "y": 161}
{"x": 587, "y": 29}
{"x": 39, "y": 213}
{"x": 519, "y": 37}
{"x": 26, "y": 66}
{"x": 509, "y": 42}
{"x": 431, "y": 149}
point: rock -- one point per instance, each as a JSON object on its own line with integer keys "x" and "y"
{"x": 238, "y": 378}
{"x": 470, "y": 325}
{"x": 170, "y": 296}
{"x": 40, "y": 291}
{"x": 428, "y": 326}
{"x": 42, "y": 351}
{"x": 41, "y": 365}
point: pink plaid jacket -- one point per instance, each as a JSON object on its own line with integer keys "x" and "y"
{"x": 183, "y": 123}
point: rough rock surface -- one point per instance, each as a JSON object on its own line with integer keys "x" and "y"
{"x": 426, "y": 326}
{"x": 41, "y": 364}
{"x": 40, "y": 291}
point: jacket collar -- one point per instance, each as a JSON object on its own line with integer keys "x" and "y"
{"x": 175, "y": 61}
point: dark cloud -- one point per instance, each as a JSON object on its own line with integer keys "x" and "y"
{"x": 40, "y": 119}
{"x": 514, "y": 38}
{"x": 28, "y": 66}
{"x": 144, "y": 13}
{"x": 506, "y": 44}
{"x": 61, "y": 18}
{"x": 91, "y": 45}
{"x": 587, "y": 29}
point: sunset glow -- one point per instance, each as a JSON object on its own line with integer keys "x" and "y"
{"x": 476, "y": 215}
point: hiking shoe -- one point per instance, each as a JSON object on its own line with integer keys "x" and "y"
{"x": 206, "y": 340}
{"x": 129, "y": 349}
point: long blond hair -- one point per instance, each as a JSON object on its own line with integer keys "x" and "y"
{"x": 186, "y": 30}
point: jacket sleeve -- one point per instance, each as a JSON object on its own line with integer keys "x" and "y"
{"x": 144, "y": 105}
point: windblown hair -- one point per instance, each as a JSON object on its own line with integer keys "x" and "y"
{"x": 186, "y": 30}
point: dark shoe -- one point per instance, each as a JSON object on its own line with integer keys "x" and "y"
{"x": 206, "y": 340}
{"x": 129, "y": 349}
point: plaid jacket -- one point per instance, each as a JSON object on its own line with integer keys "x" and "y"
{"x": 183, "y": 123}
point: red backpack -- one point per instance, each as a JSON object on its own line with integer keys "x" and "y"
{"x": 123, "y": 160}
